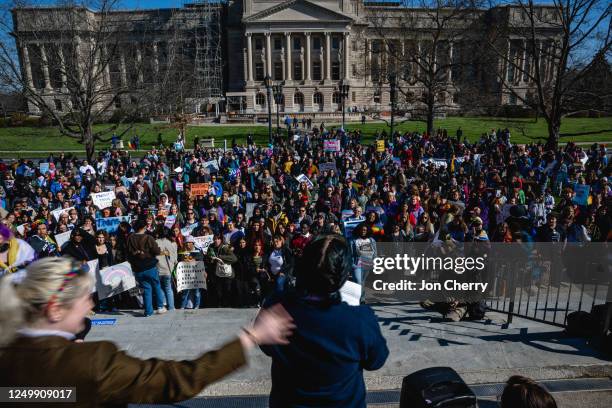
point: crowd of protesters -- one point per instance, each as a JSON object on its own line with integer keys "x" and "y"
{"x": 263, "y": 204}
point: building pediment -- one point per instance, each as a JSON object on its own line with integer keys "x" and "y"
{"x": 297, "y": 11}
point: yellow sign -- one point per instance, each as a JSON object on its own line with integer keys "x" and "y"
{"x": 380, "y": 145}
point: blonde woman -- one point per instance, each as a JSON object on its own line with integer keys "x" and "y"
{"x": 40, "y": 315}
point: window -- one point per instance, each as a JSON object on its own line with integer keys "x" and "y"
{"x": 336, "y": 97}
{"x": 278, "y": 71}
{"x": 117, "y": 102}
{"x": 353, "y": 96}
{"x": 58, "y": 105}
{"x": 297, "y": 71}
{"x": 318, "y": 98}
{"x": 335, "y": 68}
{"x": 456, "y": 98}
{"x": 354, "y": 69}
{"x": 377, "y": 96}
{"x": 260, "y": 100}
{"x": 259, "y": 71}
{"x": 278, "y": 43}
{"x": 335, "y": 43}
{"x": 297, "y": 43}
{"x": 512, "y": 99}
{"x": 317, "y": 43}
{"x": 316, "y": 70}
{"x": 354, "y": 45}
{"x": 258, "y": 44}
{"x": 298, "y": 98}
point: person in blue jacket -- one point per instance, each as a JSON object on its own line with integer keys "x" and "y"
{"x": 323, "y": 364}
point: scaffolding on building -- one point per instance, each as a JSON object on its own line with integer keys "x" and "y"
{"x": 200, "y": 36}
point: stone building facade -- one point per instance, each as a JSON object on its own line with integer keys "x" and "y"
{"x": 313, "y": 47}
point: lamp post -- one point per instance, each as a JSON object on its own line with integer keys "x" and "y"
{"x": 277, "y": 90}
{"x": 392, "y": 95}
{"x": 268, "y": 84}
{"x": 344, "y": 93}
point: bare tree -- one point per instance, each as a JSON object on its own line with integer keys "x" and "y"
{"x": 545, "y": 52}
{"x": 78, "y": 64}
{"x": 420, "y": 50}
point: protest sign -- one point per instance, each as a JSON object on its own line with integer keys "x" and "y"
{"x": 581, "y": 196}
{"x": 43, "y": 167}
{"x": 202, "y": 243}
{"x": 9, "y": 184}
{"x": 21, "y": 229}
{"x": 328, "y": 167}
{"x": 200, "y": 189}
{"x": 111, "y": 224}
{"x": 211, "y": 165}
{"x": 332, "y": 145}
{"x": 170, "y": 221}
{"x": 114, "y": 280}
{"x": 436, "y": 162}
{"x": 249, "y": 210}
{"x": 109, "y": 187}
{"x": 104, "y": 199}
{"x": 350, "y": 293}
{"x": 349, "y": 226}
{"x": 62, "y": 238}
{"x": 58, "y": 213}
{"x": 347, "y": 214}
{"x": 103, "y": 322}
{"x": 93, "y": 266}
{"x": 380, "y": 145}
{"x": 233, "y": 174}
{"x": 179, "y": 186}
{"x": 190, "y": 275}
{"x": 303, "y": 179}
{"x": 188, "y": 229}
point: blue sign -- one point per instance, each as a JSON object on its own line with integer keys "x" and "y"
{"x": 581, "y": 196}
{"x": 103, "y": 322}
{"x": 111, "y": 224}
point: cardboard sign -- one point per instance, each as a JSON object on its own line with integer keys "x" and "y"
{"x": 111, "y": 224}
{"x": 328, "y": 167}
{"x": 380, "y": 146}
{"x": 202, "y": 243}
{"x": 58, "y": 213}
{"x": 104, "y": 199}
{"x": 200, "y": 189}
{"x": 302, "y": 178}
{"x": 332, "y": 145}
{"x": 581, "y": 196}
{"x": 62, "y": 238}
{"x": 190, "y": 275}
{"x": 115, "y": 279}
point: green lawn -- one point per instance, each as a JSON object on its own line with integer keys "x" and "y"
{"x": 523, "y": 131}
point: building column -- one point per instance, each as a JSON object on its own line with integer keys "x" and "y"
{"x": 507, "y": 62}
{"x": 249, "y": 57}
{"x": 139, "y": 62}
{"x": 288, "y": 70}
{"x": 307, "y": 63}
{"x": 303, "y": 62}
{"x": 62, "y": 62}
{"x": 327, "y": 56}
{"x": 268, "y": 55}
{"x": 122, "y": 68}
{"x": 450, "y": 62}
{"x": 347, "y": 58}
{"x": 418, "y": 67}
{"x": 155, "y": 59}
{"x": 45, "y": 66}
{"x": 369, "y": 61}
{"x": 27, "y": 67}
{"x": 284, "y": 65}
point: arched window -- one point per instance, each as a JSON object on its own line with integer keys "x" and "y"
{"x": 336, "y": 98}
{"x": 318, "y": 98}
{"x": 260, "y": 99}
{"x": 298, "y": 98}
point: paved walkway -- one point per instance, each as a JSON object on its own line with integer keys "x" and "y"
{"x": 482, "y": 352}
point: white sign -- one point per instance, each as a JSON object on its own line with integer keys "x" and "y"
{"x": 212, "y": 164}
{"x": 188, "y": 229}
{"x": 93, "y": 270}
{"x": 103, "y": 200}
{"x": 250, "y": 207}
{"x": 58, "y": 213}
{"x": 350, "y": 293}
{"x": 302, "y": 178}
{"x": 190, "y": 275}
{"x": 21, "y": 229}
{"x": 202, "y": 243}
{"x": 114, "y": 280}
{"x": 62, "y": 238}
{"x": 179, "y": 186}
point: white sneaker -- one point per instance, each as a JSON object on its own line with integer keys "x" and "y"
{"x": 161, "y": 311}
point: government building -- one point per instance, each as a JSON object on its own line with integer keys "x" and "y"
{"x": 312, "y": 56}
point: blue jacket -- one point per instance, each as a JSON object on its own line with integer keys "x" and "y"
{"x": 323, "y": 365}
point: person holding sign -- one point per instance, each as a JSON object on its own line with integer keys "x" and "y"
{"x": 191, "y": 254}
{"x": 48, "y": 308}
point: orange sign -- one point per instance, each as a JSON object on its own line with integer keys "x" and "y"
{"x": 199, "y": 189}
